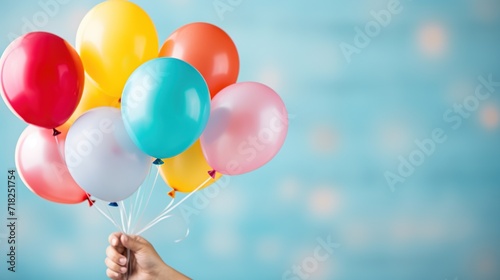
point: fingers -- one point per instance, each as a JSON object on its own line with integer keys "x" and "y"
{"x": 114, "y": 266}
{"x": 114, "y": 240}
{"x": 115, "y": 262}
{"x": 113, "y": 275}
{"x": 115, "y": 257}
{"x": 134, "y": 242}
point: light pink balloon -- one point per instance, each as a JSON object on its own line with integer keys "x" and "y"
{"x": 247, "y": 127}
{"x": 42, "y": 168}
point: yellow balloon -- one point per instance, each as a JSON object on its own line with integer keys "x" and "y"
{"x": 188, "y": 170}
{"x": 113, "y": 39}
{"x": 92, "y": 97}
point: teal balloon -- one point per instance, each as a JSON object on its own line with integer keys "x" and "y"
{"x": 165, "y": 106}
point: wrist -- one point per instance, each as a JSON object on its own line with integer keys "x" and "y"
{"x": 168, "y": 273}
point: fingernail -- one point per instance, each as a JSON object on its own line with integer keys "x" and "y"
{"x": 114, "y": 242}
{"x": 123, "y": 261}
{"x": 123, "y": 269}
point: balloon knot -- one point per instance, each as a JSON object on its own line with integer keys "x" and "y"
{"x": 113, "y": 204}
{"x": 55, "y": 132}
{"x": 172, "y": 194}
{"x": 120, "y": 100}
{"x": 158, "y": 162}
{"x": 212, "y": 173}
{"x": 91, "y": 201}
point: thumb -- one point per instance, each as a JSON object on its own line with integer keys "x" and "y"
{"x": 133, "y": 242}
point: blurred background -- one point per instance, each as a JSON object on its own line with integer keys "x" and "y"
{"x": 358, "y": 104}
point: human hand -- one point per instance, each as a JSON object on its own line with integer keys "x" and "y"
{"x": 145, "y": 263}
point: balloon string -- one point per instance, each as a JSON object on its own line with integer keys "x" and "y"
{"x": 147, "y": 188}
{"x": 134, "y": 201}
{"x": 149, "y": 197}
{"x": 107, "y": 217}
{"x": 129, "y": 220}
{"x": 189, "y": 195}
{"x": 111, "y": 215}
{"x": 140, "y": 198}
{"x": 123, "y": 215}
{"x": 131, "y": 207}
{"x": 129, "y": 263}
{"x": 170, "y": 208}
{"x": 169, "y": 204}
{"x": 104, "y": 215}
{"x": 152, "y": 224}
{"x": 185, "y": 236}
{"x": 122, "y": 218}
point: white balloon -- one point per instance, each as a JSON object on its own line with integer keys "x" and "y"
{"x": 102, "y": 158}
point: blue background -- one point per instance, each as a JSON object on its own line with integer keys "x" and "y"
{"x": 349, "y": 124}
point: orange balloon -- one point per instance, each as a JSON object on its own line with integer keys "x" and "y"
{"x": 209, "y": 49}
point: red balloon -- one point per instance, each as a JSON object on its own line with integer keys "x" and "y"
{"x": 208, "y": 49}
{"x": 42, "y": 79}
{"x": 40, "y": 162}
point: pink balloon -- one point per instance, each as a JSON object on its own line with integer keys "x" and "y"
{"x": 247, "y": 127}
{"x": 42, "y": 168}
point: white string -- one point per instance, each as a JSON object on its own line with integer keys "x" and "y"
{"x": 185, "y": 236}
{"x": 111, "y": 219}
{"x": 107, "y": 217}
{"x": 134, "y": 210}
{"x": 188, "y": 196}
{"x": 149, "y": 226}
{"x": 170, "y": 208}
{"x": 129, "y": 264}
{"x": 122, "y": 218}
{"x": 149, "y": 197}
{"x": 94, "y": 205}
{"x": 139, "y": 208}
{"x": 111, "y": 215}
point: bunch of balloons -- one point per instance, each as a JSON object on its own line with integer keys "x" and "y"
{"x": 102, "y": 113}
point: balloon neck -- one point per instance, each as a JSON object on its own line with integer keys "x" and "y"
{"x": 120, "y": 100}
{"x": 55, "y": 132}
{"x": 113, "y": 204}
{"x": 158, "y": 162}
{"x": 212, "y": 173}
{"x": 172, "y": 194}
{"x": 91, "y": 201}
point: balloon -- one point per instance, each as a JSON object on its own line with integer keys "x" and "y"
{"x": 101, "y": 157}
{"x": 165, "y": 106}
{"x": 40, "y": 163}
{"x": 113, "y": 39}
{"x": 186, "y": 171}
{"x": 247, "y": 127}
{"x": 92, "y": 97}
{"x": 209, "y": 49}
{"x": 42, "y": 79}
